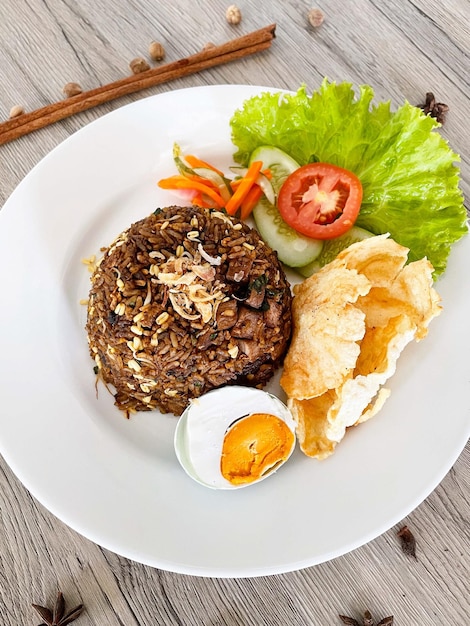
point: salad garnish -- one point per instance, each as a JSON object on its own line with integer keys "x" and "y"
{"x": 321, "y": 171}
{"x": 408, "y": 172}
{"x": 208, "y": 187}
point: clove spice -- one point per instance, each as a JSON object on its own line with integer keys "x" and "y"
{"x": 433, "y": 108}
{"x": 408, "y": 542}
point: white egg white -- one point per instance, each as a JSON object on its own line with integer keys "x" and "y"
{"x": 201, "y": 429}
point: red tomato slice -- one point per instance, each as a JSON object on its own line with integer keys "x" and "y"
{"x": 320, "y": 200}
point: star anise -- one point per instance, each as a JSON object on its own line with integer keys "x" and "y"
{"x": 366, "y": 620}
{"x": 58, "y": 616}
{"x": 433, "y": 108}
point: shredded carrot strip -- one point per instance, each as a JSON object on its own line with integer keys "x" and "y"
{"x": 245, "y": 191}
{"x": 170, "y": 182}
{"x": 184, "y": 178}
{"x": 181, "y": 182}
{"x": 200, "y": 202}
{"x": 194, "y": 161}
{"x": 197, "y": 200}
{"x": 204, "y": 181}
{"x": 237, "y": 181}
{"x": 242, "y": 190}
{"x": 251, "y": 200}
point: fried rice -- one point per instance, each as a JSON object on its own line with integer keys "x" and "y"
{"x": 182, "y": 302}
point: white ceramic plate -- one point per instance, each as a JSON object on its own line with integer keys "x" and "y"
{"x": 118, "y": 482}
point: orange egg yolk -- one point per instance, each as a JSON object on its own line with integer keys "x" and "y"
{"x": 254, "y": 446}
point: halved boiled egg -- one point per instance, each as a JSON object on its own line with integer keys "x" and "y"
{"x": 234, "y": 437}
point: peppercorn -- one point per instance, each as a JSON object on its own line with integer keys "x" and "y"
{"x": 16, "y": 111}
{"x": 315, "y": 17}
{"x": 233, "y": 15}
{"x": 71, "y": 89}
{"x": 139, "y": 65}
{"x": 156, "y": 51}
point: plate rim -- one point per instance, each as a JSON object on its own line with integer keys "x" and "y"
{"x": 180, "y": 568}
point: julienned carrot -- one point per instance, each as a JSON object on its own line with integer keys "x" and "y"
{"x": 198, "y": 200}
{"x": 244, "y": 187}
{"x": 193, "y": 162}
{"x": 251, "y": 200}
{"x": 241, "y": 194}
{"x": 182, "y": 182}
{"x": 176, "y": 178}
{"x": 237, "y": 181}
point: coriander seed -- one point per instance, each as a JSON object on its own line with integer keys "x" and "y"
{"x": 16, "y": 111}
{"x": 315, "y": 17}
{"x": 139, "y": 65}
{"x": 233, "y": 15}
{"x": 71, "y": 89}
{"x": 208, "y": 45}
{"x": 156, "y": 51}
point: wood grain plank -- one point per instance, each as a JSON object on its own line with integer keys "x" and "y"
{"x": 403, "y": 49}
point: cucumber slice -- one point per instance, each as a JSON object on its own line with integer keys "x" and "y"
{"x": 331, "y": 248}
{"x": 280, "y": 164}
{"x": 293, "y": 249}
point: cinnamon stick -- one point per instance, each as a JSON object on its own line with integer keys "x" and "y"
{"x": 238, "y": 48}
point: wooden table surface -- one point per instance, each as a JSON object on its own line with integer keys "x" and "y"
{"x": 403, "y": 48}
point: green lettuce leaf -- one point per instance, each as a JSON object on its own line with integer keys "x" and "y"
{"x": 408, "y": 172}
